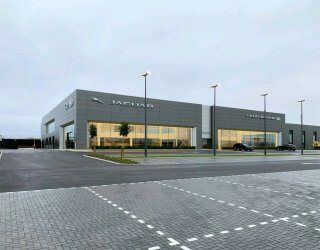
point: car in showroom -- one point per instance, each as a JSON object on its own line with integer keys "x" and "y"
{"x": 289, "y": 147}
{"x": 242, "y": 147}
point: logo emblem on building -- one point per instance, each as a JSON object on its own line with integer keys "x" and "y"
{"x": 69, "y": 104}
{"x": 275, "y": 118}
{"x": 96, "y": 100}
{"x": 131, "y": 104}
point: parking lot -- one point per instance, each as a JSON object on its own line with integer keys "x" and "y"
{"x": 253, "y": 211}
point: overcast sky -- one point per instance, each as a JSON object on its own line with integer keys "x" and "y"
{"x": 49, "y": 48}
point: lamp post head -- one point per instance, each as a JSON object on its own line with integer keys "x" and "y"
{"x": 147, "y": 73}
{"x": 302, "y": 100}
{"x": 213, "y": 86}
{"x": 265, "y": 94}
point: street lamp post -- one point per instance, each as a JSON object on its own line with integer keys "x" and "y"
{"x": 301, "y": 117}
{"x": 148, "y": 73}
{"x": 214, "y": 134}
{"x": 265, "y": 123}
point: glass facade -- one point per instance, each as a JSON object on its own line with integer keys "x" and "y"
{"x": 291, "y": 136}
{"x": 158, "y": 136}
{"x": 68, "y": 136}
{"x": 50, "y": 127}
{"x": 227, "y": 138}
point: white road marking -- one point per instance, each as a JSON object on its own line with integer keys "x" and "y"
{"x": 173, "y": 242}
{"x": 192, "y": 239}
{"x": 310, "y": 163}
{"x": 224, "y": 232}
{"x": 185, "y": 248}
{"x": 209, "y": 235}
{"x": 113, "y": 162}
{"x": 1, "y": 155}
{"x": 300, "y": 224}
{"x": 263, "y": 223}
{"x": 251, "y": 226}
{"x": 238, "y": 229}
{"x": 269, "y": 215}
{"x": 284, "y": 219}
{"x": 266, "y": 189}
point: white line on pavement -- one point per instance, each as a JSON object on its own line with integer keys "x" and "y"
{"x": 286, "y": 219}
{"x": 264, "y": 189}
{"x": 154, "y": 248}
{"x": 310, "y": 163}
{"x": 172, "y": 242}
{"x": 185, "y": 248}
{"x": 0, "y": 155}
{"x": 113, "y": 162}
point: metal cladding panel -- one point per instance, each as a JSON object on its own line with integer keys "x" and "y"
{"x": 106, "y": 107}
{"x": 296, "y": 128}
{"x": 244, "y": 119}
{"x": 64, "y": 113}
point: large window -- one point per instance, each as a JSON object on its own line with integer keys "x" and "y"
{"x": 68, "y": 132}
{"x": 227, "y": 138}
{"x": 291, "y": 136}
{"x": 50, "y": 127}
{"x": 314, "y": 138}
{"x": 158, "y": 136}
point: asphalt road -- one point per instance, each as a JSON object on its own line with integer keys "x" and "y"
{"x": 30, "y": 170}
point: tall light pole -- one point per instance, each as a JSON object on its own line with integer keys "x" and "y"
{"x": 214, "y": 134}
{"x": 301, "y": 117}
{"x": 265, "y": 122}
{"x": 148, "y": 73}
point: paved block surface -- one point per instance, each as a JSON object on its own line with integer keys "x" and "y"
{"x": 254, "y": 211}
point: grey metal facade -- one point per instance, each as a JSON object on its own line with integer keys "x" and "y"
{"x": 296, "y": 129}
{"x": 91, "y": 106}
{"x": 62, "y": 116}
{"x": 86, "y": 109}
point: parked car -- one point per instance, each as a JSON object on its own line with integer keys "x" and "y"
{"x": 242, "y": 147}
{"x": 316, "y": 145}
{"x": 289, "y": 147}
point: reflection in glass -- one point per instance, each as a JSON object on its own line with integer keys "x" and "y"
{"x": 227, "y": 138}
{"x": 68, "y": 132}
{"x": 158, "y": 136}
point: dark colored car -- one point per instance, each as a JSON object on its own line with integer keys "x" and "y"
{"x": 242, "y": 147}
{"x": 289, "y": 147}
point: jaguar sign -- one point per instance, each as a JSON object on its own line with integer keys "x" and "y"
{"x": 131, "y": 104}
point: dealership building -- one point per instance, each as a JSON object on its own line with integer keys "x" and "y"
{"x": 170, "y": 124}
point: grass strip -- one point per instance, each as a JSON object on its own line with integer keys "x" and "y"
{"x": 113, "y": 158}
